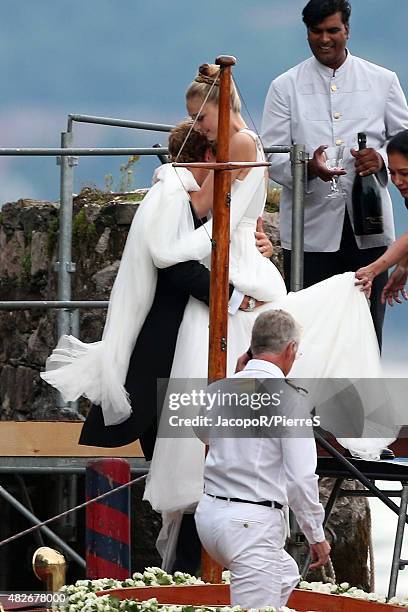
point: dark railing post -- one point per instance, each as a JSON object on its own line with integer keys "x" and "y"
{"x": 298, "y": 160}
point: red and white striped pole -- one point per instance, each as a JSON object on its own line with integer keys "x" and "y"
{"x": 108, "y": 521}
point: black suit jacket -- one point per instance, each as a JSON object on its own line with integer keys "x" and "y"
{"x": 151, "y": 359}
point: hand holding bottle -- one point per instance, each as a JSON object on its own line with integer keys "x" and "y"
{"x": 365, "y": 194}
{"x": 368, "y": 161}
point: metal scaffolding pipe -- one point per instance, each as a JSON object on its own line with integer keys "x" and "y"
{"x": 52, "y": 470}
{"x": 35, "y": 521}
{"x": 397, "y": 563}
{"x": 298, "y": 159}
{"x": 50, "y": 152}
{"x": 84, "y": 151}
{"x": 126, "y": 123}
{"x": 65, "y": 266}
{"x": 278, "y": 149}
{"x": 69, "y": 305}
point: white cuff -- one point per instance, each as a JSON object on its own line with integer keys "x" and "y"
{"x": 235, "y": 301}
{"x": 314, "y": 534}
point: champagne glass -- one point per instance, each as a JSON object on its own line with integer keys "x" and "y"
{"x": 334, "y": 158}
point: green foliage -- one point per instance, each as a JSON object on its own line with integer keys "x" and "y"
{"x": 109, "y": 182}
{"x": 83, "y": 231}
{"x": 52, "y": 236}
{"x": 91, "y": 194}
{"x": 26, "y": 265}
{"x": 1, "y": 218}
{"x": 126, "y": 176}
{"x": 135, "y": 197}
{"x": 273, "y": 198}
{"x": 28, "y": 235}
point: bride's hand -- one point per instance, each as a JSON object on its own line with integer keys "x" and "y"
{"x": 263, "y": 244}
{"x": 365, "y": 277}
{"x": 242, "y": 361}
{"x": 248, "y": 305}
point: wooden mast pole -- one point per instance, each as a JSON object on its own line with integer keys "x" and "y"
{"x": 219, "y": 295}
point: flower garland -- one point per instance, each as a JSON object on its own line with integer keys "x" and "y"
{"x": 81, "y": 596}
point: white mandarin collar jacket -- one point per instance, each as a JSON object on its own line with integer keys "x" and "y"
{"x": 313, "y": 105}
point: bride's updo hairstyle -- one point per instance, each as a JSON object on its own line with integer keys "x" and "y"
{"x": 199, "y": 88}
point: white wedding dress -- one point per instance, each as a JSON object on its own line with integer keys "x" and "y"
{"x": 338, "y": 340}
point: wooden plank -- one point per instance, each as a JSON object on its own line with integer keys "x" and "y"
{"x": 304, "y": 601}
{"x": 198, "y": 595}
{"x": 60, "y": 439}
{"x": 218, "y": 595}
{"x": 53, "y": 439}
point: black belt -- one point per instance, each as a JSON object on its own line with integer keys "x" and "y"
{"x": 268, "y": 504}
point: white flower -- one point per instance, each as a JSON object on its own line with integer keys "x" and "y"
{"x": 344, "y": 586}
{"x": 303, "y": 584}
{"x": 225, "y": 576}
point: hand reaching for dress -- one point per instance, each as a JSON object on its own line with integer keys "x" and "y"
{"x": 263, "y": 244}
{"x": 392, "y": 290}
{"x": 395, "y": 285}
{"x": 365, "y": 277}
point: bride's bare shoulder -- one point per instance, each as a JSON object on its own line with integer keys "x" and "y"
{"x": 242, "y": 147}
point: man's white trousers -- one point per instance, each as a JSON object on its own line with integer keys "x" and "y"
{"x": 248, "y": 540}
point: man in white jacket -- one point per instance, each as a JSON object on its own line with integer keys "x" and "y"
{"x": 248, "y": 480}
{"x": 325, "y": 101}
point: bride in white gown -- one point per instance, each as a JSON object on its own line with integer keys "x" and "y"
{"x": 338, "y": 334}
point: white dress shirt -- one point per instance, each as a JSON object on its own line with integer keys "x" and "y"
{"x": 314, "y": 105}
{"x": 276, "y": 469}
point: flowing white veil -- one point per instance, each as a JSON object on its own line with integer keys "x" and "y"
{"x": 98, "y": 370}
